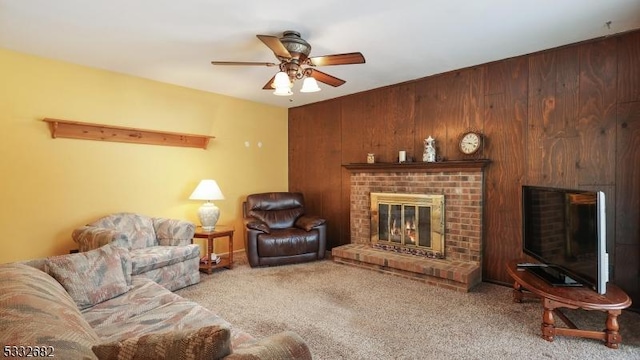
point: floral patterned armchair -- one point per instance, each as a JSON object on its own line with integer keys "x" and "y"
{"x": 161, "y": 249}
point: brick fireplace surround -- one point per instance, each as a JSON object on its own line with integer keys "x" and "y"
{"x": 462, "y": 183}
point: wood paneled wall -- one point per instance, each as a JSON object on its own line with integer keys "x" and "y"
{"x": 565, "y": 117}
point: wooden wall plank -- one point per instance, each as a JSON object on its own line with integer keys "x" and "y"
{"x": 629, "y": 71}
{"x": 426, "y": 98}
{"x": 315, "y": 144}
{"x": 329, "y": 170}
{"x": 393, "y": 131}
{"x": 357, "y": 112}
{"x": 552, "y": 138}
{"x": 297, "y": 148}
{"x": 345, "y": 208}
{"x": 504, "y": 125}
{"x": 627, "y": 195}
{"x": 453, "y": 90}
{"x": 627, "y": 276}
{"x": 627, "y": 204}
{"x": 463, "y": 108}
{"x": 596, "y": 123}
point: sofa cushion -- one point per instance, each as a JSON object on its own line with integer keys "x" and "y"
{"x": 36, "y": 310}
{"x": 91, "y": 237}
{"x": 138, "y": 228}
{"x": 278, "y": 219}
{"x": 91, "y": 277}
{"x": 149, "y": 308}
{"x": 287, "y": 242}
{"x": 176, "y": 276}
{"x": 147, "y": 259}
{"x": 211, "y": 342}
{"x": 278, "y": 210}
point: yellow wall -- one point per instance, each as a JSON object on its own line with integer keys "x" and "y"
{"x": 51, "y": 186}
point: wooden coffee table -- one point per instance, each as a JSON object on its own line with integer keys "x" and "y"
{"x": 554, "y": 298}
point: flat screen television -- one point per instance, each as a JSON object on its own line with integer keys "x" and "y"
{"x": 565, "y": 230}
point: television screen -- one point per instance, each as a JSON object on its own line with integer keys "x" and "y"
{"x": 565, "y": 229}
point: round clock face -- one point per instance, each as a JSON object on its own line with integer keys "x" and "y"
{"x": 470, "y": 143}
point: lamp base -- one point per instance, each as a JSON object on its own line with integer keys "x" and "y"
{"x": 209, "y": 215}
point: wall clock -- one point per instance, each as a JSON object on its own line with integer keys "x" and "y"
{"x": 470, "y": 142}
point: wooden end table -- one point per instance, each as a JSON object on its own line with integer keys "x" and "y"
{"x": 556, "y": 297}
{"x": 206, "y": 265}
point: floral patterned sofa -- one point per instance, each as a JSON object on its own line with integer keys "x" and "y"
{"x": 161, "y": 249}
{"x": 88, "y": 306}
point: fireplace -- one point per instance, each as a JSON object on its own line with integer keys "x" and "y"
{"x": 408, "y": 223}
{"x": 387, "y": 233}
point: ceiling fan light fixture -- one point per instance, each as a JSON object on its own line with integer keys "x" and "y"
{"x": 309, "y": 85}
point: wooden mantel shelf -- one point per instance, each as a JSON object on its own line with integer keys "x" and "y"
{"x": 453, "y": 165}
{"x": 89, "y": 131}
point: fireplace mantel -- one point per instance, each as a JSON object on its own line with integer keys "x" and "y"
{"x": 452, "y": 165}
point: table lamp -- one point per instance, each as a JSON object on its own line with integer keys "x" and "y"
{"x": 208, "y": 213}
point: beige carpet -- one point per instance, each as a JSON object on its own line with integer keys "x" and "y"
{"x": 345, "y": 312}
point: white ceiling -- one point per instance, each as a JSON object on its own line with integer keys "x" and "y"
{"x": 174, "y": 41}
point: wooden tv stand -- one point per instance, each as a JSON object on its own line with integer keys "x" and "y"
{"x": 556, "y": 297}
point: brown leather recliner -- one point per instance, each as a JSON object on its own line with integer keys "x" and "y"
{"x": 277, "y": 230}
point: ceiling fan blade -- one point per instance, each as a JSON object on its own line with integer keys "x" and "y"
{"x": 326, "y": 78}
{"x": 275, "y": 45}
{"x": 269, "y": 84}
{"x": 338, "y": 59}
{"x": 251, "y": 63}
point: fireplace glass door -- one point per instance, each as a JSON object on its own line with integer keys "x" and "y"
{"x": 405, "y": 224}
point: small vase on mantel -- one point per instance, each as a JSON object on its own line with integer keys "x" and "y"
{"x": 429, "y": 154}
{"x": 371, "y": 158}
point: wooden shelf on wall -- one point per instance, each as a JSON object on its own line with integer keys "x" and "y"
{"x": 89, "y": 131}
{"x": 452, "y": 165}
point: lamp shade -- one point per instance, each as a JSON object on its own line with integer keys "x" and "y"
{"x": 309, "y": 85}
{"x": 281, "y": 80}
{"x": 207, "y": 190}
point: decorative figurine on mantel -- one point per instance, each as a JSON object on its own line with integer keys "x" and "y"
{"x": 429, "y": 154}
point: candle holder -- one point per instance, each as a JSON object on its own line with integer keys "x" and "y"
{"x": 402, "y": 156}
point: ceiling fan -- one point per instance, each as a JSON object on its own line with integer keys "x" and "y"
{"x": 292, "y": 51}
